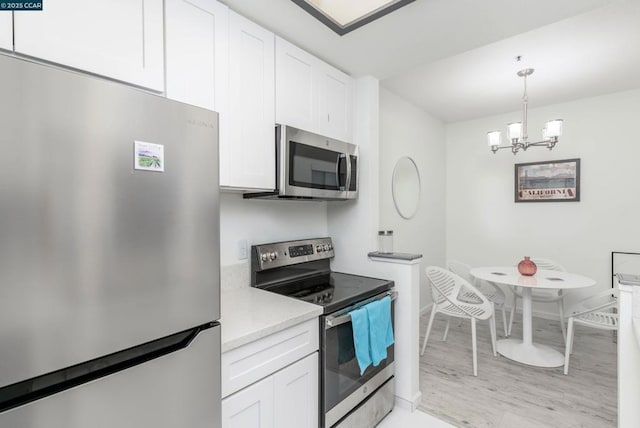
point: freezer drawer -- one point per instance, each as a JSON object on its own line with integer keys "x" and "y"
{"x": 180, "y": 389}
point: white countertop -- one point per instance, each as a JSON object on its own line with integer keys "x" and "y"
{"x": 248, "y": 314}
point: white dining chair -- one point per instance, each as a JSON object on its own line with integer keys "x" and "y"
{"x": 542, "y": 296}
{"x": 446, "y": 288}
{"x": 491, "y": 291}
{"x": 596, "y": 312}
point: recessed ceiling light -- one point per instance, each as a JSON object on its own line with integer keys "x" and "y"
{"x": 343, "y": 16}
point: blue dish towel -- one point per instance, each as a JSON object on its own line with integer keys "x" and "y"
{"x": 360, "y": 324}
{"x": 380, "y": 329}
{"x": 372, "y": 332}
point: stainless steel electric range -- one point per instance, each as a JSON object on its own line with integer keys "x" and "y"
{"x": 301, "y": 270}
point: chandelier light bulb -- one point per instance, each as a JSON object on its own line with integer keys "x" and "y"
{"x": 494, "y": 138}
{"x": 553, "y": 128}
{"x": 515, "y": 131}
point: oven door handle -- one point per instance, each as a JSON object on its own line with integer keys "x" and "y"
{"x": 334, "y": 321}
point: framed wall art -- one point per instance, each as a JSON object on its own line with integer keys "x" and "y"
{"x": 549, "y": 181}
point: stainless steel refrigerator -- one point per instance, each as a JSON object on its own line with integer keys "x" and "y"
{"x": 109, "y": 255}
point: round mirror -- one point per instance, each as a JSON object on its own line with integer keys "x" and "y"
{"x": 406, "y": 187}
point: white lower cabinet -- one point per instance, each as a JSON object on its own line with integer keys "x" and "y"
{"x": 6, "y": 30}
{"x": 250, "y": 407}
{"x": 273, "y": 381}
{"x": 286, "y": 399}
{"x": 296, "y": 394}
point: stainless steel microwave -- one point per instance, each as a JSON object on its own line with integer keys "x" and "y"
{"x": 310, "y": 166}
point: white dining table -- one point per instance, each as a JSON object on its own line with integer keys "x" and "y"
{"x": 526, "y": 351}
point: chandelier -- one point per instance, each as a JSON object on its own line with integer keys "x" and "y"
{"x": 517, "y": 131}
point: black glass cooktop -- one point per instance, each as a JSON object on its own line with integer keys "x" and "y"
{"x": 333, "y": 291}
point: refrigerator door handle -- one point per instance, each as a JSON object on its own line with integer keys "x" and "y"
{"x": 33, "y": 389}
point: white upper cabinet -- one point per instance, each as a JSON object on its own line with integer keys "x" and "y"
{"x": 6, "y": 30}
{"x": 247, "y": 155}
{"x": 196, "y": 37}
{"x": 296, "y": 86}
{"x": 335, "y": 104}
{"x": 120, "y": 39}
{"x": 310, "y": 94}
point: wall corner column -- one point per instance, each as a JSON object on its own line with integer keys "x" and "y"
{"x": 404, "y": 270}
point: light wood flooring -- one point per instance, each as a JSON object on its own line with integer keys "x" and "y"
{"x": 507, "y": 394}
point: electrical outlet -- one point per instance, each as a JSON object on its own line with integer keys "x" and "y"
{"x": 243, "y": 251}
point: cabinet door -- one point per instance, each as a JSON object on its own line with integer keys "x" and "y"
{"x": 121, "y": 39}
{"x": 6, "y": 30}
{"x": 334, "y": 103}
{"x": 247, "y": 156}
{"x": 251, "y": 407}
{"x": 296, "y": 394}
{"x": 196, "y": 52}
{"x": 296, "y": 86}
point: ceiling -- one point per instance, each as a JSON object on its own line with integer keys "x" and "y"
{"x": 456, "y": 58}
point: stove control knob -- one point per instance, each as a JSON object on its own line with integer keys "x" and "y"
{"x": 330, "y": 247}
{"x": 264, "y": 257}
{"x": 319, "y": 248}
{"x": 272, "y": 255}
{"x": 325, "y": 247}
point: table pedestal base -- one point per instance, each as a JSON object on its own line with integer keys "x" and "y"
{"x": 530, "y": 354}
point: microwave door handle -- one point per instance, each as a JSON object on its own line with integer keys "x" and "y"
{"x": 340, "y": 157}
{"x": 348, "y": 157}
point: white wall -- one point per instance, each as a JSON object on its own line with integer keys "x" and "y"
{"x": 263, "y": 221}
{"x": 486, "y": 227}
{"x": 353, "y": 224}
{"x": 406, "y": 130}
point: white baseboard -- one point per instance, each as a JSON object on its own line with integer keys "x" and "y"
{"x": 412, "y": 405}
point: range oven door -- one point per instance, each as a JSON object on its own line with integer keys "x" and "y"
{"x": 314, "y": 166}
{"x": 343, "y": 388}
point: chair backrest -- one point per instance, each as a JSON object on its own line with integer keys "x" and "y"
{"x": 605, "y": 300}
{"x": 547, "y": 264}
{"x": 446, "y": 286}
{"x": 460, "y": 269}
